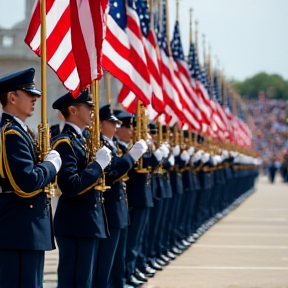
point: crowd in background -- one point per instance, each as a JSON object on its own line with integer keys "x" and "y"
{"x": 270, "y": 133}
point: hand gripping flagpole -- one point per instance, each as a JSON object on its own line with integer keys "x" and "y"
{"x": 94, "y": 142}
{"x": 43, "y": 127}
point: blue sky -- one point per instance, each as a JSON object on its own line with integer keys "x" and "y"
{"x": 248, "y": 36}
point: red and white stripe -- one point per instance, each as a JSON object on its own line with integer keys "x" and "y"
{"x": 60, "y": 46}
{"x": 186, "y": 102}
{"x": 87, "y": 37}
{"x": 173, "y": 108}
{"x": 128, "y": 99}
{"x": 124, "y": 57}
{"x": 203, "y": 101}
{"x": 154, "y": 61}
{"x": 190, "y": 98}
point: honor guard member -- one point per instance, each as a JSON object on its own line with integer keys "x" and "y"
{"x": 25, "y": 210}
{"x": 113, "y": 249}
{"x": 79, "y": 219}
{"x": 140, "y": 201}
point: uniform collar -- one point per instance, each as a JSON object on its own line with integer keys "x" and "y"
{"x": 110, "y": 141}
{"x": 20, "y": 122}
{"x": 76, "y": 128}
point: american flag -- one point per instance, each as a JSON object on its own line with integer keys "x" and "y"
{"x": 188, "y": 95}
{"x": 124, "y": 53}
{"x": 173, "y": 108}
{"x": 73, "y": 47}
{"x": 196, "y": 80}
{"x": 153, "y": 58}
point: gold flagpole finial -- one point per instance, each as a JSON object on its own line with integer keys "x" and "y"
{"x": 196, "y": 37}
{"x": 177, "y": 10}
{"x": 204, "y": 48}
{"x": 190, "y": 25}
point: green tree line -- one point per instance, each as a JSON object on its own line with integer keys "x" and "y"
{"x": 273, "y": 86}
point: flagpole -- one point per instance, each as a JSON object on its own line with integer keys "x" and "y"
{"x": 108, "y": 87}
{"x": 158, "y": 123}
{"x": 190, "y": 25}
{"x": 190, "y": 42}
{"x": 95, "y": 143}
{"x": 43, "y": 126}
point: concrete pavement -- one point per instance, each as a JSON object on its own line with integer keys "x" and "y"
{"x": 246, "y": 249}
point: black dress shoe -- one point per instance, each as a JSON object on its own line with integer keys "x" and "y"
{"x": 147, "y": 270}
{"x": 164, "y": 258}
{"x": 139, "y": 276}
{"x": 161, "y": 262}
{"x": 170, "y": 255}
{"x": 155, "y": 265}
{"x": 133, "y": 281}
{"x": 176, "y": 251}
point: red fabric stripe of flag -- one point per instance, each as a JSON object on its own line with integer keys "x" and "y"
{"x": 59, "y": 43}
{"x": 154, "y": 64}
{"x": 124, "y": 57}
{"x": 171, "y": 97}
{"x": 87, "y": 18}
{"x": 241, "y": 131}
{"x": 128, "y": 99}
{"x": 190, "y": 119}
{"x": 190, "y": 102}
{"x": 219, "y": 124}
{"x": 204, "y": 101}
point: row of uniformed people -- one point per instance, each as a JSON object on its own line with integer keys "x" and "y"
{"x": 96, "y": 247}
{"x": 189, "y": 193}
{"x": 80, "y": 223}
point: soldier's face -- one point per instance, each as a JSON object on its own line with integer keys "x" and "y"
{"x": 108, "y": 128}
{"x": 124, "y": 134}
{"x": 84, "y": 114}
{"x": 23, "y": 103}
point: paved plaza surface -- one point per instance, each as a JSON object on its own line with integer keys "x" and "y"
{"x": 246, "y": 249}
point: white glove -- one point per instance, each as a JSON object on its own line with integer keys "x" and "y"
{"x": 103, "y": 157}
{"x": 54, "y": 157}
{"x": 197, "y": 156}
{"x": 171, "y": 160}
{"x": 165, "y": 150}
{"x": 161, "y": 152}
{"x": 138, "y": 149}
{"x": 185, "y": 156}
{"x": 176, "y": 150}
{"x": 217, "y": 159}
{"x": 205, "y": 158}
{"x": 225, "y": 154}
{"x": 191, "y": 150}
{"x": 158, "y": 154}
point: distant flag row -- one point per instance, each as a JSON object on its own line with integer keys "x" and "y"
{"x": 117, "y": 35}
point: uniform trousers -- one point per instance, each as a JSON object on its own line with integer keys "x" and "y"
{"x": 77, "y": 260}
{"x": 138, "y": 217}
{"x": 21, "y": 268}
{"x": 108, "y": 249}
{"x": 162, "y": 237}
{"x": 154, "y": 221}
{"x": 117, "y": 274}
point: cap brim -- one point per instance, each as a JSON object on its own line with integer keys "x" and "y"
{"x": 33, "y": 91}
{"x": 114, "y": 119}
{"x": 91, "y": 103}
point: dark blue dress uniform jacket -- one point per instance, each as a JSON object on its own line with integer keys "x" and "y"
{"x": 80, "y": 211}
{"x": 25, "y": 223}
{"x": 175, "y": 176}
{"x": 139, "y": 189}
{"x": 116, "y": 205}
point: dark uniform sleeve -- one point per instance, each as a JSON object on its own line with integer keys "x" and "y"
{"x": 119, "y": 168}
{"x": 154, "y": 163}
{"x": 21, "y": 171}
{"x": 71, "y": 181}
